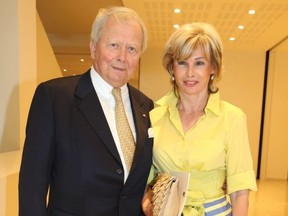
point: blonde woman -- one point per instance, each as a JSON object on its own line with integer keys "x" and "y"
{"x": 197, "y": 132}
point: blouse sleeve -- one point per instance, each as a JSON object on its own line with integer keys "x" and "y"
{"x": 240, "y": 173}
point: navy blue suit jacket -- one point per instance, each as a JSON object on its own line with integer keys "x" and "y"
{"x": 70, "y": 152}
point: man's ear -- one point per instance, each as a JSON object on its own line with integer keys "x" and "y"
{"x": 92, "y": 49}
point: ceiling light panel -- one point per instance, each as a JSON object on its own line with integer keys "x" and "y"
{"x": 224, "y": 15}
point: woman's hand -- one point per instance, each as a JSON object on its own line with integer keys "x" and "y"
{"x": 147, "y": 205}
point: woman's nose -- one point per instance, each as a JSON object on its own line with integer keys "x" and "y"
{"x": 190, "y": 72}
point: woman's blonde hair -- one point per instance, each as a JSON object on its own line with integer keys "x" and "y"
{"x": 185, "y": 41}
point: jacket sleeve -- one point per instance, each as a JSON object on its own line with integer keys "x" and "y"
{"x": 37, "y": 155}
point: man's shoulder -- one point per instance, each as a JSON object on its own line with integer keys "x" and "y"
{"x": 67, "y": 81}
{"x": 137, "y": 93}
{"x": 61, "y": 80}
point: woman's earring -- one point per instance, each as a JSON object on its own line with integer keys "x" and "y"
{"x": 212, "y": 77}
{"x": 172, "y": 78}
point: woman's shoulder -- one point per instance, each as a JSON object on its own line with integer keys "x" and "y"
{"x": 162, "y": 106}
{"x": 230, "y": 109}
{"x": 221, "y": 107}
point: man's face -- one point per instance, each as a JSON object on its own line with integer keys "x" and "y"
{"x": 116, "y": 54}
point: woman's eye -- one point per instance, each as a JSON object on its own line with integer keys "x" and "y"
{"x": 181, "y": 63}
{"x": 198, "y": 63}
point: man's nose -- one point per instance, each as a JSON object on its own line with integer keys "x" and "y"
{"x": 121, "y": 54}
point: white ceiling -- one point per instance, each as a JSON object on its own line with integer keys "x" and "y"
{"x": 68, "y": 24}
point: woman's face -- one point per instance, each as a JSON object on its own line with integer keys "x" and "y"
{"x": 193, "y": 74}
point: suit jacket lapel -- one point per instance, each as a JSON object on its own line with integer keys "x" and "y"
{"x": 139, "y": 116}
{"x": 91, "y": 108}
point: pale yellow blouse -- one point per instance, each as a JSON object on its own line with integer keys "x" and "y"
{"x": 216, "y": 147}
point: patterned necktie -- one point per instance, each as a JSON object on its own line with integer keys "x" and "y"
{"x": 123, "y": 129}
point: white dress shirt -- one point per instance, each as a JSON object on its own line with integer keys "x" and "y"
{"x": 104, "y": 92}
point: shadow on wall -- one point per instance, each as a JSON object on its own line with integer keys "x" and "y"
{"x": 11, "y": 124}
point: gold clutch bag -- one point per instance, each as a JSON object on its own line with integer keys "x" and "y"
{"x": 166, "y": 197}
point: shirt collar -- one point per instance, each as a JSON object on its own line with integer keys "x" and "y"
{"x": 169, "y": 100}
{"x": 213, "y": 104}
{"x": 102, "y": 87}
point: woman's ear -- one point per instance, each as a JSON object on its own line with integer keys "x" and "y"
{"x": 212, "y": 74}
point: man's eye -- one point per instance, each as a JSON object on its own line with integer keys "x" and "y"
{"x": 113, "y": 45}
{"x": 132, "y": 49}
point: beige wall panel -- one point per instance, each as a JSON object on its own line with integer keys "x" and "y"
{"x": 154, "y": 80}
{"x": 277, "y": 118}
{"x": 9, "y": 82}
{"x": 242, "y": 85}
{"x": 12, "y": 195}
{"x": 47, "y": 65}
